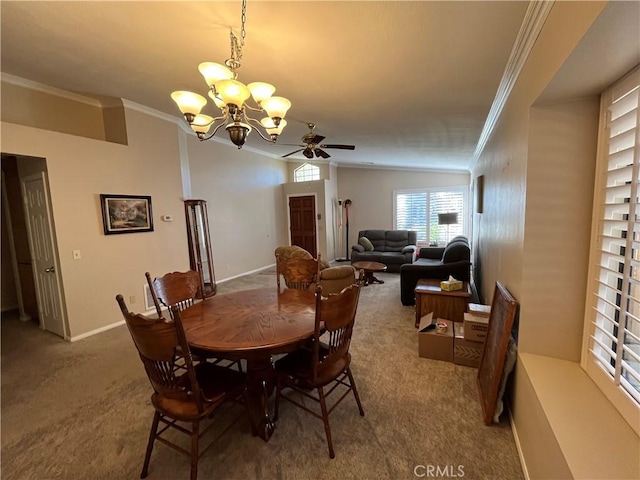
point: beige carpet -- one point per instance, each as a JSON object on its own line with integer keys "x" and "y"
{"x": 82, "y": 411}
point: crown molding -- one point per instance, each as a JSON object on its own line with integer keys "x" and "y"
{"x": 155, "y": 113}
{"x": 532, "y": 24}
{"x": 23, "y": 82}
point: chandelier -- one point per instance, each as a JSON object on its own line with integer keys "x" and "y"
{"x": 230, "y": 96}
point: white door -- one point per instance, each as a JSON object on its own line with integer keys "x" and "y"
{"x": 43, "y": 258}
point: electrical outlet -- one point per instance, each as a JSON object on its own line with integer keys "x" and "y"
{"x": 132, "y": 299}
{"x": 77, "y": 255}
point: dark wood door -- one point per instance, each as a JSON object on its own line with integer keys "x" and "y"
{"x": 302, "y": 215}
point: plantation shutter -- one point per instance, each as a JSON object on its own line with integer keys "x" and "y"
{"x": 615, "y": 342}
{"x": 445, "y": 202}
{"x": 411, "y": 213}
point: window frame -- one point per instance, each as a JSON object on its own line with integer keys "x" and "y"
{"x": 464, "y": 217}
{"x": 315, "y": 169}
{"x": 611, "y": 385}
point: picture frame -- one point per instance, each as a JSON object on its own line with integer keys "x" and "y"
{"x": 480, "y": 194}
{"x": 126, "y": 213}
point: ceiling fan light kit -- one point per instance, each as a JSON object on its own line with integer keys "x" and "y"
{"x": 230, "y": 96}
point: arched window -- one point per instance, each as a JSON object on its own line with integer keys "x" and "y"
{"x": 306, "y": 173}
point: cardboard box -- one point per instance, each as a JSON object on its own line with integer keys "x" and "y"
{"x": 437, "y": 346}
{"x": 466, "y": 352}
{"x": 475, "y": 327}
{"x": 451, "y": 285}
{"x": 479, "y": 310}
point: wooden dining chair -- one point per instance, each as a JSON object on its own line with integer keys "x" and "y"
{"x": 182, "y": 391}
{"x": 298, "y": 273}
{"x": 325, "y": 364}
{"x": 181, "y": 289}
{"x": 176, "y": 288}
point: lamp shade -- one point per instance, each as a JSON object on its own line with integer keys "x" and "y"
{"x": 189, "y": 103}
{"x": 201, "y": 123}
{"x": 232, "y": 92}
{"x": 214, "y": 72}
{"x": 447, "y": 218}
{"x": 218, "y": 101}
{"x": 260, "y": 91}
{"x": 270, "y": 126}
{"x": 276, "y": 107}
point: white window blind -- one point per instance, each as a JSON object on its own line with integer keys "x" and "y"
{"x": 306, "y": 173}
{"x": 615, "y": 331}
{"x": 418, "y": 210}
{"x": 411, "y": 213}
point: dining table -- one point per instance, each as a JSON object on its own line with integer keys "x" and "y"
{"x": 252, "y": 325}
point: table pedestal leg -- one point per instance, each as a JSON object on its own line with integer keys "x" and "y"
{"x": 260, "y": 384}
{"x": 369, "y": 278}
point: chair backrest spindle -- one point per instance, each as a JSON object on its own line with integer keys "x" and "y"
{"x": 177, "y": 288}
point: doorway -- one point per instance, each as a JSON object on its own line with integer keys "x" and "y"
{"x": 36, "y": 272}
{"x": 302, "y": 223}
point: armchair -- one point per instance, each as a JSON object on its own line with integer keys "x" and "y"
{"x": 436, "y": 262}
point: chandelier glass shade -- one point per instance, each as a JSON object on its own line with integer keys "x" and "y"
{"x": 231, "y": 97}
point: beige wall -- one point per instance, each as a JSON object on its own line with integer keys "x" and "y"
{"x": 560, "y": 178}
{"x": 243, "y": 191}
{"x": 79, "y": 169}
{"x": 244, "y": 196}
{"x": 371, "y": 191}
{"x": 25, "y": 106}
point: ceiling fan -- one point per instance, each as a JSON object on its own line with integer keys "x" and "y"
{"x": 312, "y": 145}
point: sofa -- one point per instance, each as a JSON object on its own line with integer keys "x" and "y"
{"x": 436, "y": 262}
{"x": 390, "y": 247}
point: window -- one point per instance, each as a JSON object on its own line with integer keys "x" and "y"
{"x": 418, "y": 210}
{"x": 614, "y": 316}
{"x": 306, "y": 173}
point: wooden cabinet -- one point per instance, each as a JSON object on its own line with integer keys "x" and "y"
{"x": 449, "y": 305}
{"x": 200, "y": 256}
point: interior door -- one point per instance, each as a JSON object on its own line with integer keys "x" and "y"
{"x": 43, "y": 258}
{"x": 302, "y": 218}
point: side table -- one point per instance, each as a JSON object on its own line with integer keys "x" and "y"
{"x": 449, "y": 305}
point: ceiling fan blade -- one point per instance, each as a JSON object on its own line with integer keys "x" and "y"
{"x": 321, "y": 153}
{"x": 342, "y": 147}
{"x": 289, "y": 154}
{"x": 307, "y": 152}
{"x": 315, "y": 139}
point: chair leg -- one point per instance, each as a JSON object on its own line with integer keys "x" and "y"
{"x": 152, "y": 437}
{"x": 195, "y": 438}
{"x": 325, "y": 419}
{"x": 355, "y": 391}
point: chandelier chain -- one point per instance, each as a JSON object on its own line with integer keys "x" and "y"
{"x": 235, "y": 60}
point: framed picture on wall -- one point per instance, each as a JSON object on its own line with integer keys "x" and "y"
{"x": 126, "y": 213}
{"x": 480, "y": 194}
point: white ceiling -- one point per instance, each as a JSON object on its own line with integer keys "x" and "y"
{"x": 409, "y": 83}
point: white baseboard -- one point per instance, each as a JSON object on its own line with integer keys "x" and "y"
{"x": 516, "y": 440}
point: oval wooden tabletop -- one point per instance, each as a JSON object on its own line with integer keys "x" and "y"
{"x": 370, "y": 266}
{"x": 251, "y": 320}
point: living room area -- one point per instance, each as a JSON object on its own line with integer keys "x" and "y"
{"x": 533, "y": 235}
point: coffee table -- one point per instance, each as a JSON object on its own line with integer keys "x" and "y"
{"x": 369, "y": 269}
